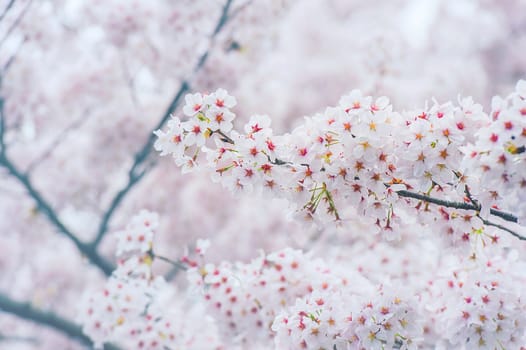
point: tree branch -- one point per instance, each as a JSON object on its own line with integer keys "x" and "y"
{"x": 2, "y": 124}
{"x": 45, "y": 208}
{"x": 138, "y": 169}
{"x": 15, "y": 23}
{"x": 57, "y": 141}
{"x": 466, "y": 206}
{"x": 504, "y": 228}
{"x": 18, "y": 339}
{"x": 11, "y": 59}
{"x": 48, "y": 319}
{"x": 456, "y": 205}
{"x": 6, "y": 10}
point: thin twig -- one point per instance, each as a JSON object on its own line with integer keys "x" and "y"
{"x": 129, "y": 80}
{"x": 57, "y": 141}
{"x": 241, "y": 8}
{"x": 504, "y": 228}
{"x": 48, "y": 319}
{"x": 224, "y": 137}
{"x": 176, "y": 264}
{"x": 138, "y": 169}
{"x": 6, "y": 10}
{"x": 12, "y": 59}
{"x": 16, "y": 23}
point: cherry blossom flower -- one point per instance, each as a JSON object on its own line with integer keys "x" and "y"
{"x": 194, "y": 104}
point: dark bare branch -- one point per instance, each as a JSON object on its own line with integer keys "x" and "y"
{"x": 473, "y": 205}
{"x": 49, "y": 319}
{"x": 18, "y": 339}
{"x": 45, "y": 208}
{"x": 6, "y": 9}
{"x": 455, "y": 205}
{"x": 140, "y": 166}
{"x": 15, "y": 23}
{"x": 43, "y": 205}
{"x": 501, "y": 227}
{"x": 56, "y": 142}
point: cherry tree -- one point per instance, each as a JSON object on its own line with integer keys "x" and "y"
{"x": 84, "y": 85}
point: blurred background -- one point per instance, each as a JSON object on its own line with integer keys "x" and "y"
{"x": 83, "y": 84}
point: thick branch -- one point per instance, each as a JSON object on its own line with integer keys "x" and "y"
{"x": 456, "y": 205}
{"x": 48, "y": 319}
{"x": 18, "y": 339}
{"x": 467, "y": 206}
{"x": 45, "y": 208}
{"x": 139, "y": 169}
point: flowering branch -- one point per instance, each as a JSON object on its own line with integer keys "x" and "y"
{"x": 361, "y": 153}
{"x": 48, "y": 319}
{"x": 466, "y": 206}
{"x": 455, "y": 205}
{"x": 12, "y": 58}
{"x": 139, "y": 169}
{"x": 501, "y": 227}
{"x": 175, "y": 264}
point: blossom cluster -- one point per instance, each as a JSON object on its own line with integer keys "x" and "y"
{"x": 480, "y": 305}
{"x": 499, "y": 154}
{"x": 289, "y": 299}
{"x": 355, "y": 158}
{"x": 138, "y": 309}
{"x": 245, "y": 298}
{"x": 297, "y": 302}
{"x": 324, "y": 320}
{"x": 137, "y": 238}
{"x": 362, "y": 159}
